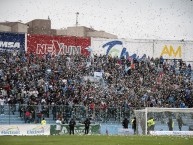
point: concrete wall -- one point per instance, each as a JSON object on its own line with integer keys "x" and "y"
{"x": 62, "y": 32}
{"x": 40, "y": 31}
{"x": 101, "y": 34}
{"x": 76, "y": 31}
{"x": 43, "y": 27}
{"x": 4, "y": 28}
{"x": 14, "y": 28}
{"x": 21, "y": 28}
{"x": 40, "y": 26}
{"x": 82, "y": 31}
{"x": 40, "y": 23}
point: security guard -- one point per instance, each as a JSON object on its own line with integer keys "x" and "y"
{"x": 125, "y": 123}
{"x": 72, "y": 124}
{"x": 43, "y": 122}
{"x": 87, "y": 125}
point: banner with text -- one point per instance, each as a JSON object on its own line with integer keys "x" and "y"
{"x": 140, "y": 48}
{"x": 171, "y": 132}
{"x": 24, "y": 129}
{"x": 78, "y": 129}
{"x": 57, "y": 45}
{"x": 123, "y": 131}
{"x": 121, "y": 48}
{"x": 12, "y": 41}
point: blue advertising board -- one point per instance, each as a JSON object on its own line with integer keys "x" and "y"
{"x": 12, "y": 41}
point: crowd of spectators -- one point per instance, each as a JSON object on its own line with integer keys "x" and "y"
{"x": 69, "y": 81}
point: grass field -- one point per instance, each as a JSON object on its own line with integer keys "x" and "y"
{"x": 95, "y": 140}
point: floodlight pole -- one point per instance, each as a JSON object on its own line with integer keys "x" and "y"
{"x": 77, "y": 13}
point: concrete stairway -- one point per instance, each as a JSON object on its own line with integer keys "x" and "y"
{"x": 9, "y": 118}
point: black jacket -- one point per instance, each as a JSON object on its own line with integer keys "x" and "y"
{"x": 87, "y": 123}
{"x": 72, "y": 123}
{"x": 125, "y": 123}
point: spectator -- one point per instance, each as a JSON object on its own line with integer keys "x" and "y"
{"x": 127, "y": 84}
{"x": 39, "y": 117}
{"x": 2, "y": 100}
{"x": 27, "y": 116}
{"x": 58, "y": 125}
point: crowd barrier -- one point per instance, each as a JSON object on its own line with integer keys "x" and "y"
{"x": 16, "y": 114}
{"x": 33, "y": 130}
{"x": 95, "y": 129}
{"x": 24, "y": 130}
{"x": 78, "y": 129}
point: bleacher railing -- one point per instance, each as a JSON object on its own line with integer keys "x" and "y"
{"x": 16, "y": 114}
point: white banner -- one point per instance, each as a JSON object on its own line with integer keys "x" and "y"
{"x": 139, "y": 48}
{"x": 122, "y": 131}
{"x": 169, "y": 49}
{"x": 24, "y": 129}
{"x": 98, "y": 74}
{"x": 118, "y": 47}
{"x": 171, "y": 132}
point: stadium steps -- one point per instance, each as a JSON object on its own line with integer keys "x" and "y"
{"x": 9, "y": 118}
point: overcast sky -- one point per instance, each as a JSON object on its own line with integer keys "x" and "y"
{"x": 130, "y": 19}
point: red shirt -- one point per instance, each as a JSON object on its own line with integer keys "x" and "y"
{"x": 27, "y": 114}
{"x": 92, "y": 106}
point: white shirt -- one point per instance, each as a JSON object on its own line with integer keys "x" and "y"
{"x": 2, "y": 101}
{"x": 58, "y": 125}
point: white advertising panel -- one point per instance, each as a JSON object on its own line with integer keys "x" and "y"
{"x": 24, "y": 130}
{"x": 171, "y": 132}
{"x": 118, "y": 47}
{"x": 169, "y": 49}
{"x": 174, "y": 50}
{"x": 188, "y": 55}
{"x": 122, "y": 131}
{"x": 138, "y": 48}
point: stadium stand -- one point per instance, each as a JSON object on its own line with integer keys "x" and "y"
{"x": 65, "y": 86}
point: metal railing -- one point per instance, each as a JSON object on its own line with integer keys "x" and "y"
{"x": 16, "y": 114}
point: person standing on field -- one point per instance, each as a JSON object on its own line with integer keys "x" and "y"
{"x": 150, "y": 125}
{"x": 134, "y": 125}
{"x": 87, "y": 125}
{"x": 170, "y": 124}
{"x": 180, "y": 122}
{"x": 72, "y": 124}
{"x": 125, "y": 123}
{"x": 58, "y": 125}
